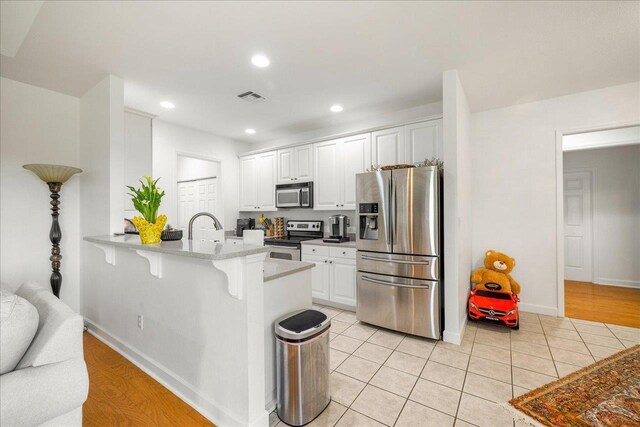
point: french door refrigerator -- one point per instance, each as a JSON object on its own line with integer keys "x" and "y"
{"x": 399, "y": 250}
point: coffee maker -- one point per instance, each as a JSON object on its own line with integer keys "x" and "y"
{"x": 338, "y": 224}
{"x": 244, "y": 224}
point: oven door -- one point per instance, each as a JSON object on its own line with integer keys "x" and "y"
{"x": 291, "y": 253}
{"x": 288, "y": 198}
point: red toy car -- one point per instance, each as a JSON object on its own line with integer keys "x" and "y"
{"x": 494, "y": 306}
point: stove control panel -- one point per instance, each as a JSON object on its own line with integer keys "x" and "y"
{"x": 295, "y": 225}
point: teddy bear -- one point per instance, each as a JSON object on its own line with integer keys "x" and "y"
{"x": 495, "y": 274}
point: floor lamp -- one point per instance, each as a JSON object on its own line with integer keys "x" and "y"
{"x": 54, "y": 176}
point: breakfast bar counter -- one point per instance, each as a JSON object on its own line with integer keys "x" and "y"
{"x": 184, "y": 247}
{"x": 198, "y": 317}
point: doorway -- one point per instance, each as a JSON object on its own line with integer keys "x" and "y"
{"x": 198, "y": 191}
{"x": 599, "y": 226}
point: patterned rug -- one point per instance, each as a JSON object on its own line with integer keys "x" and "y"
{"x": 606, "y": 393}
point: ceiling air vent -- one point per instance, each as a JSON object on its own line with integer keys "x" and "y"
{"x": 252, "y": 97}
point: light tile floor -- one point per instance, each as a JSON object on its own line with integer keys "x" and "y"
{"x": 379, "y": 377}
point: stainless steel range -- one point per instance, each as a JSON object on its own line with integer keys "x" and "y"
{"x": 289, "y": 246}
{"x": 399, "y": 258}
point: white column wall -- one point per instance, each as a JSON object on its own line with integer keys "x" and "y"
{"x": 457, "y": 200}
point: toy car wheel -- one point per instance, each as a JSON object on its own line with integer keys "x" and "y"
{"x": 517, "y": 326}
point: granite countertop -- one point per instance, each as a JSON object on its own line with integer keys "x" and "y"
{"x": 319, "y": 242}
{"x": 276, "y": 268}
{"x": 186, "y": 248}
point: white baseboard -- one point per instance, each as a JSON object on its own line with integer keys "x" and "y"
{"x": 205, "y": 406}
{"x": 538, "y": 309}
{"x": 616, "y": 282}
{"x": 455, "y": 337}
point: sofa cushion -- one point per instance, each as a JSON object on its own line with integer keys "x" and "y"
{"x": 18, "y": 326}
{"x": 59, "y": 335}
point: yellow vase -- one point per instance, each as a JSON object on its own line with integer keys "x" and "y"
{"x": 150, "y": 233}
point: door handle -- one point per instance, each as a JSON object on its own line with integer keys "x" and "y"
{"x": 382, "y": 282}
{"x": 397, "y": 261}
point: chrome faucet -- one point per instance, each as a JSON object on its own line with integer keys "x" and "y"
{"x": 193, "y": 218}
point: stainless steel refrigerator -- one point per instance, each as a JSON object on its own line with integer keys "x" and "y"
{"x": 399, "y": 250}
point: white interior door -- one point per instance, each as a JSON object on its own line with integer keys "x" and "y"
{"x": 187, "y": 198}
{"x": 199, "y": 196}
{"x": 577, "y": 227}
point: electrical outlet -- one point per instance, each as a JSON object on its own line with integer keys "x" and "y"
{"x": 140, "y": 321}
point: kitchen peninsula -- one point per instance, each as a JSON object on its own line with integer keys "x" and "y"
{"x": 204, "y": 314}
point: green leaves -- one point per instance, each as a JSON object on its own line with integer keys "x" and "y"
{"x": 146, "y": 199}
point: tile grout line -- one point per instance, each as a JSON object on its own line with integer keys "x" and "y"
{"x": 464, "y": 381}
{"x": 367, "y": 383}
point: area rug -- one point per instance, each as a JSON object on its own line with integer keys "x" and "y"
{"x": 606, "y": 393}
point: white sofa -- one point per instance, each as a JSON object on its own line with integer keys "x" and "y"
{"x": 50, "y": 383}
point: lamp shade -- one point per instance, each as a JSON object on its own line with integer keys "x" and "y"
{"x": 53, "y": 173}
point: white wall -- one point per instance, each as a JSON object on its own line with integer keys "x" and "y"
{"x": 169, "y": 140}
{"x": 102, "y": 157}
{"x": 514, "y": 180}
{"x": 102, "y": 185}
{"x": 457, "y": 198}
{"x": 190, "y": 168}
{"x": 616, "y": 211}
{"x": 137, "y": 154}
{"x": 38, "y": 126}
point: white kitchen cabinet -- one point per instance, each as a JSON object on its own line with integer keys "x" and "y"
{"x": 407, "y": 144}
{"x": 304, "y": 162}
{"x": 336, "y": 164}
{"x": 355, "y": 158}
{"x": 387, "y": 146}
{"x": 295, "y": 164}
{"x": 319, "y": 276}
{"x": 334, "y": 276}
{"x": 343, "y": 281}
{"x": 258, "y": 182}
{"x": 286, "y": 165}
{"x": 326, "y": 191}
{"x": 248, "y": 188}
{"x": 266, "y": 181}
{"x": 423, "y": 141}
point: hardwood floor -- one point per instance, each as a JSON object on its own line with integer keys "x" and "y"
{"x": 120, "y": 394}
{"x": 600, "y": 303}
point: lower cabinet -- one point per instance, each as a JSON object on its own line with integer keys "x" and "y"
{"x": 334, "y": 276}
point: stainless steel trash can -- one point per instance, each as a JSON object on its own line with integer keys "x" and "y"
{"x": 302, "y": 366}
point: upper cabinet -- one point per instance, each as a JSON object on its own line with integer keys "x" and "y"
{"x": 407, "y": 144}
{"x": 423, "y": 141}
{"x": 258, "y": 182}
{"x": 387, "y": 146}
{"x": 336, "y": 164}
{"x": 333, "y": 165}
{"x": 295, "y": 164}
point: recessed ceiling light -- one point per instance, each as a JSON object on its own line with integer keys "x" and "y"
{"x": 336, "y": 108}
{"x": 168, "y": 105}
{"x": 250, "y": 131}
{"x": 260, "y": 61}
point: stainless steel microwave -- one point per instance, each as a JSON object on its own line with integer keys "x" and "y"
{"x": 298, "y": 195}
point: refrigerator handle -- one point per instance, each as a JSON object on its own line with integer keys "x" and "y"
{"x": 382, "y": 282}
{"x": 392, "y": 213}
{"x": 396, "y": 261}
